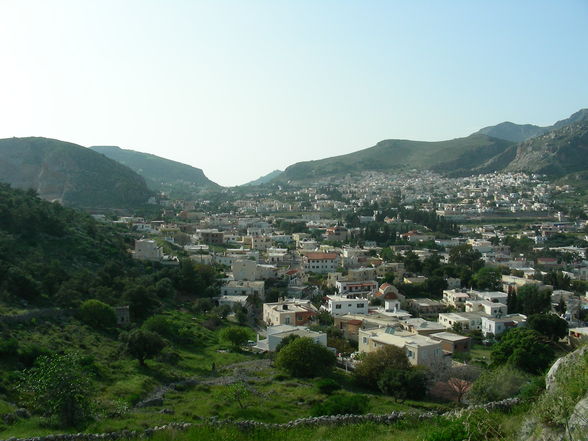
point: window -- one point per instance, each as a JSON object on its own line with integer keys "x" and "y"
{"x": 365, "y": 340}
{"x": 287, "y": 320}
{"x": 360, "y": 305}
{"x": 337, "y": 306}
{"x": 410, "y": 353}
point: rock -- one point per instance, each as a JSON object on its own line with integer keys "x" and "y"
{"x": 570, "y": 358}
{"x": 22, "y": 413}
{"x": 578, "y": 422}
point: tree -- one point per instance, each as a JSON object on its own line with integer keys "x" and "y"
{"x": 143, "y": 344}
{"x": 412, "y": 263}
{"x": 286, "y": 341}
{"x": 459, "y": 379}
{"x": 235, "y": 335}
{"x": 523, "y": 349}
{"x": 142, "y": 301}
{"x": 97, "y": 314}
{"x": 324, "y": 318}
{"x": 367, "y": 371}
{"x": 488, "y": 278}
{"x": 550, "y": 325}
{"x": 305, "y": 358}
{"x": 237, "y": 392}
{"x": 531, "y": 300}
{"x": 465, "y": 255}
{"x": 59, "y": 387}
{"x": 403, "y": 383}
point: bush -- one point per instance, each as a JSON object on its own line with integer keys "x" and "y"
{"x": 523, "y": 349}
{"x": 235, "y": 335}
{"x": 161, "y": 325}
{"x": 8, "y": 347}
{"x": 327, "y": 386}
{"x": 403, "y": 383}
{"x": 59, "y": 387}
{"x": 305, "y": 358}
{"x": 286, "y": 341}
{"x": 497, "y": 384}
{"x": 143, "y": 344}
{"x": 368, "y": 371}
{"x": 97, "y": 314}
{"x": 340, "y": 404}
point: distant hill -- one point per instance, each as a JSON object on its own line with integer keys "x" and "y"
{"x": 69, "y": 173}
{"x": 265, "y": 179}
{"x": 521, "y": 132}
{"x": 456, "y": 156}
{"x": 160, "y": 174}
{"x": 556, "y": 153}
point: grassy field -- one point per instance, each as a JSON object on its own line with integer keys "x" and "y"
{"x": 121, "y": 382}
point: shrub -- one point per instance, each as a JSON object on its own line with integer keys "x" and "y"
{"x": 403, "y": 383}
{"x": 161, "y": 325}
{"x": 497, "y": 384}
{"x": 305, "y": 358}
{"x": 286, "y": 341}
{"x": 143, "y": 344}
{"x": 340, "y": 404}
{"x": 235, "y": 335}
{"x": 97, "y": 314}
{"x": 368, "y": 370}
{"x": 523, "y": 349}
{"x": 327, "y": 386}
{"x": 59, "y": 387}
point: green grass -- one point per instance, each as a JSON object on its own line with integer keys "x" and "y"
{"x": 481, "y": 354}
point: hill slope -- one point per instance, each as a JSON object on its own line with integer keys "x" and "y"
{"x": 69, "y": 173}
{"x": 160, "y": 173}
{"x": 521, "y": 132}
{"x": 556, "y": 153}
{"x": 455, "y": 156}
{"x": 265, "y": 178}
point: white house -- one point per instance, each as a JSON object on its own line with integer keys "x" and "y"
{"x": 243, "y": 288}
{"x": 275, "y": 334}
{"x": 497, "y": 326}
{"x": 353, "y": 287}
{"x": 489, "y": 308}
{"x": 146, "y": 249}
{"x": 420, "y": 350}
{"x": 321, "y": 263}
{"x": 346, "y": 304}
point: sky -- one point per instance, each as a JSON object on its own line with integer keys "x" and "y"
{"x": 240, "y": 88}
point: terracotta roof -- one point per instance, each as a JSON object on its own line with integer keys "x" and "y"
{"x": 383, "y": 286}
{"x": 321, "y": 256}
{"x": 390, "y": 296}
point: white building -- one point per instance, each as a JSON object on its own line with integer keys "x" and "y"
{"x": 353, "y": 287}
{"x": 275, "y": 334}
{"x": 455, "y": 298}
{"x": 489, "y": 308}
{"x": 420, "y": 350}
{"x": 321, "y": 263}
{"x": 497, "y": 326}
{"x": 243, "y": 288}
{"x": 346, "y": 304}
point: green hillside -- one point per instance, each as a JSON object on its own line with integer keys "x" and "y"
{"x": 455, "y": 156}
{"x": 160, "y": 174}
{"x": 69, "y": 173}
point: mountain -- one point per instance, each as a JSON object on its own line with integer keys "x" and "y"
{"x": 521, "y": 132}
{"x": 265, "y": 178}
{"x": 69, "y": 173}
{"x": 160, "y": 174}
{"x": 556, "y": 153}
{"x": 456, "y": 156}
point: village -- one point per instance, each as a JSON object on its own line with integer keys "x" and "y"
{"x": 374, "y": 260}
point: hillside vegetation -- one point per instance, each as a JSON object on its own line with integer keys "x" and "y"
{"x": 160, "y": 174}
{"x": 456, "y": 155}
{"x": 69, "y": 173}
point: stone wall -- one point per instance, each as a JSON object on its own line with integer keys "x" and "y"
{"x": 334, "y": 420}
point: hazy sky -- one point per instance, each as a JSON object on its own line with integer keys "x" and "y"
{"x": 240, "y": 88}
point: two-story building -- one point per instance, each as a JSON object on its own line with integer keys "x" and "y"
{"x": 289, "y": 312}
